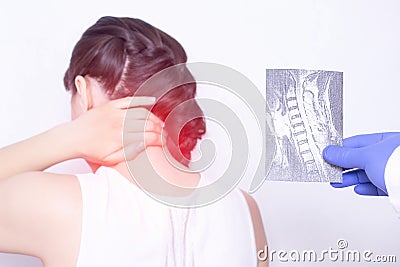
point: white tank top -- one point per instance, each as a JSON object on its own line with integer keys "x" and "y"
{"x": 124, "y": 227}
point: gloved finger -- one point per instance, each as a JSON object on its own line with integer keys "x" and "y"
{"x": 344, "y": 157}
{"x": 381, "y": 192}
{"x": 352, "y": 178}
{"x": 362, "y": 140}
{"x": 368, "y": 189}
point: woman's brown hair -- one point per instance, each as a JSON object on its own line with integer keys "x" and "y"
{"x": 122, "y": 53}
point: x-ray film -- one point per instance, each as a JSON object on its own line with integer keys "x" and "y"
{"x": 306, "y": 115}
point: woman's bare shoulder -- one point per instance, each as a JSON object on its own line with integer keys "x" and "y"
{"x": 41, "y": 216}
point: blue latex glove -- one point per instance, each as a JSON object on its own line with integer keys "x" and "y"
{"x": 368, "y": 153}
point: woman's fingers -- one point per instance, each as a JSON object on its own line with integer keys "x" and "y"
{"x": 125, "y": 118}
{"x": 142, "y": 126}
{"x": 134, "y": 144}
{"x": 139, "y": 118}
{"x": 139, "y": 113}
{"x": 131, "y": 102}
{"x": 132, "y": 108}
{"x": 147, "y": 138}
{"x": 129, "y": 153}
{"x": 133, "y": 150}
{"x": 139, "y": 143}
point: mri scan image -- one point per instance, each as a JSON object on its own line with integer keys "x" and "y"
{"x": 305, "y": 109}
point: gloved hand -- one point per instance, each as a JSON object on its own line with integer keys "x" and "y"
{"x": 368, "y": 153}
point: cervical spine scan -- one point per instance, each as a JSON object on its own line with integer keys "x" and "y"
{"x": 306, "y": 111}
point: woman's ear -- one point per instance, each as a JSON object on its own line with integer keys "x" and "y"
{"x": 83, "y": 90}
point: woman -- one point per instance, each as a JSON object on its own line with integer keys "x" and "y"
{"x": 102, "y": 218}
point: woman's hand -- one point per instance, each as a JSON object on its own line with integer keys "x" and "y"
{"x": 96, "y": 136}
{"x": 104, "y": 133}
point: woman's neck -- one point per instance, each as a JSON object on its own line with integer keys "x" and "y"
{"x": 152, "y": 168}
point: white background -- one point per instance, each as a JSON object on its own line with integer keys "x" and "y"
{"x": 360, "y": 38}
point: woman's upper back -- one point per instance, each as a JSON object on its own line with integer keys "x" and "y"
{"x": 123, "y": 226}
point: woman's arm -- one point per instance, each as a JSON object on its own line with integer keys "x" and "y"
{"x": 95, "y": 136}
{"x": 39, "y": 152}
{"x": 41, "y": 216}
